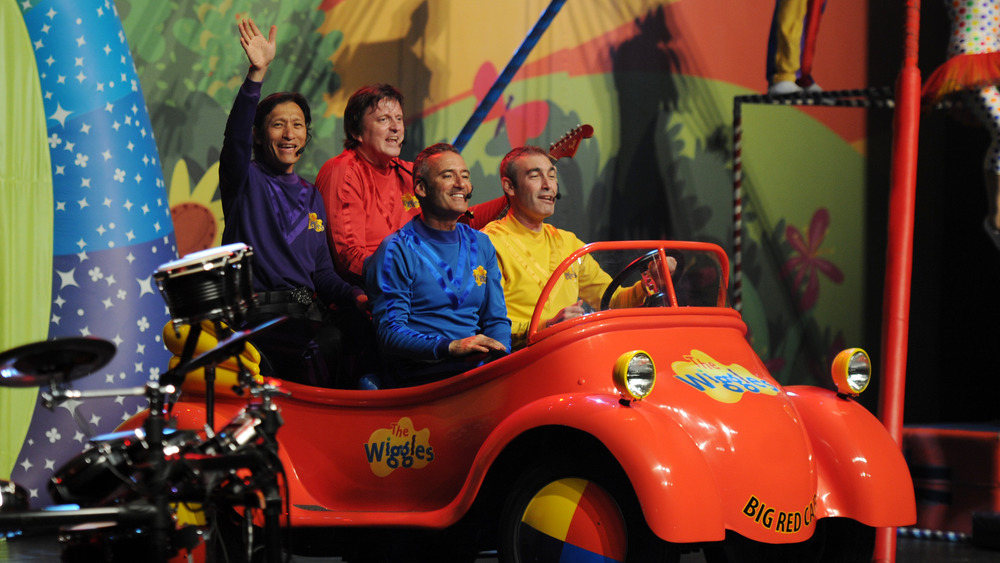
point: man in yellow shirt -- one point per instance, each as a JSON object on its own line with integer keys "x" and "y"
{"x": 528, "y": 249}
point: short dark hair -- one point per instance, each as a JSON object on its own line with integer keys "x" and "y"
{"x": 420, "y": 165}
{"x": 507, "y": 164}
{"x": 267, "y": 105}
{"x": 364, "y": 99}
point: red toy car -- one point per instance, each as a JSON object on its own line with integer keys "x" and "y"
{"x": 622, "y": 435}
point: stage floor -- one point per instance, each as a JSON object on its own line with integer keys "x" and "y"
{"x": 43, "y": 549}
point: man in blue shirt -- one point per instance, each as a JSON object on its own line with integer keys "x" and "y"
{"x": 437, "y": 297}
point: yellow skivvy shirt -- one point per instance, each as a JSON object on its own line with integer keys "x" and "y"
{"x": 527, "y": 260}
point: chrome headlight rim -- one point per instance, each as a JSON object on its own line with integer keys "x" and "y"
{"x": 634, "y": 375}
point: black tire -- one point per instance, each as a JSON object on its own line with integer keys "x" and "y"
{"x": 847, "y": 541}
{"x": 738, "y": 549}
{"x": 608, "y": 495}
{"x": 836, "y": 540}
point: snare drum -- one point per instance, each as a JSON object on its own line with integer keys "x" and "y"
{"x": 110, "y": 468}
{"x": 211, "y": 284}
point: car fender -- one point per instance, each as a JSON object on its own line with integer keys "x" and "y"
{"x": 671, "y": 478}
{"x": 862, "y": 472}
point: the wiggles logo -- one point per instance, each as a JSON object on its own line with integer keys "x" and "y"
{"x": 410, "y": 201}
{"x": 726, "y": 384}
{"x": 315, "y": 223}
{"x": 480, "y": 274}
{"x": 399, "y": 446}
{"x": 570, "y": 273}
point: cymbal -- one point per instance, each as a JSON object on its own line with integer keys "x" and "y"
{"x": 57, "y": 360}
{"x": 229, "y": 347}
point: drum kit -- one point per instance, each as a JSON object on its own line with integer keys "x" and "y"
{"x": 120, "y": 494}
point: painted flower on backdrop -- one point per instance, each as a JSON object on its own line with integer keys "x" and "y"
{"x": 808, "y": 264}
{"x": 197, "y": 215}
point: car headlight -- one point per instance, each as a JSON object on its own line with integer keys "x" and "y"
{"x": 852, "y": 370}
{"x": 634, "y": 374}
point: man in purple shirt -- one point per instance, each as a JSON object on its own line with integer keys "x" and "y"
{"x": 282, "y": 217}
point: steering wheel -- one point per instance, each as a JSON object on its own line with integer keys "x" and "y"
{"x": 640, "y": 264}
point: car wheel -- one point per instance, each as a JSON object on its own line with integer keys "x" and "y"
{"x": 738, "y": 549}
{"x": 847, "y": 541}
{"x": 564, "y": 512}
{"x": 835, "y": 540}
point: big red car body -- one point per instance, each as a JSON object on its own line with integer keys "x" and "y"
{"x": 717, "y": 448}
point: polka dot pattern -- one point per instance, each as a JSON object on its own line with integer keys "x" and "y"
{"x": 976, "y": 30}
{"x": 976, "y": 26}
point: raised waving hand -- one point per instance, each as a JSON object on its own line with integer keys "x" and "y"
{"x": 260, "y": 50}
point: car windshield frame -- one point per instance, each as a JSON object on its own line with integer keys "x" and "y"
{"x": 536, "y": 328}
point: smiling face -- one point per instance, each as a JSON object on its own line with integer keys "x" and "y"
{"x": 283, "y": 137}
{"x": 532, "y": 190}
{"x": 443, "y": 190}
{"x": 382, "y": 131}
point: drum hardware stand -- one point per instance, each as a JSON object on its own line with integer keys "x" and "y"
{"x": 56, "y": 363}
{"x": 267, "y": 412}
{"x": 188, "y": 352}
{"x": 272, "y": 494}
{"x": 154, "y": 514}
{"x": 230, "y": 347}
{"x": 259, "y": 460}
{"x": 265, "y": 466}
{"x": 154, "y": 425}
{"x": 271, "y": 421}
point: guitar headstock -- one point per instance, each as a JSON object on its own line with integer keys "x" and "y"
{"x": 567, "y": 144}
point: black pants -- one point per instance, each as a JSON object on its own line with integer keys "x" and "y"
{"x": 306, "y": 348}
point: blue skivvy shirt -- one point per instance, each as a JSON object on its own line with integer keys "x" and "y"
{"x": 429, "y": 287}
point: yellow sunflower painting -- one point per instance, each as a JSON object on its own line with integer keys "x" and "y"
{"x": 196, "y": 214}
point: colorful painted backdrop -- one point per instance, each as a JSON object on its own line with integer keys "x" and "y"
{"x": 655, "y": 78}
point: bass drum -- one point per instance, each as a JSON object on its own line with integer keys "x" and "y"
{"x": 113, "y": 467}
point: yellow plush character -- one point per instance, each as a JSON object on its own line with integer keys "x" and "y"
{"x": 226, "y": 373}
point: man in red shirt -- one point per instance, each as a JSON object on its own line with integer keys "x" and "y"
{"x": 367, "y": 189}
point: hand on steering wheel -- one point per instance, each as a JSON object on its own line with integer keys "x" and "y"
{"x": 642, "y": 264}
{"x": 569, "y": 312}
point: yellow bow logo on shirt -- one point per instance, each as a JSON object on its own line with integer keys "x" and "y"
{"x": 480, "y": 274}
{"x": 315, "y": 223}
{"x": 410, "y": 202}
